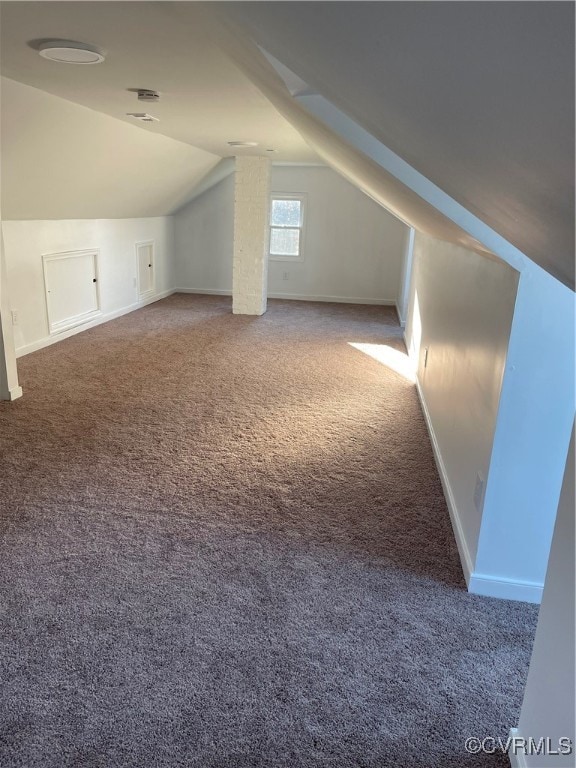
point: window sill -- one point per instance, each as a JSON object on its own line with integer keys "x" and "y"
{"x": 284, "y": 258}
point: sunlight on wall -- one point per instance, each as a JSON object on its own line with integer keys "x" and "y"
{"x": 390, "y": 357}
{"x": 416, "y": 332}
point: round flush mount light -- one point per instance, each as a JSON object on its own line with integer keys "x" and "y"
{"x": 70, "y": 52}
{"x": 243, "y": 143}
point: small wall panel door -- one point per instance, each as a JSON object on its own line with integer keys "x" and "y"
{"x": 71, "y": 284}
{"x": 145, "y": 256}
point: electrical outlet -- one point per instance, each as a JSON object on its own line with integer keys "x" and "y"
{"x": 285, "y": 275}
{"x": 425, "y": 357}
{"x": 479, "y": 492}
{"x": 14, "y": 317}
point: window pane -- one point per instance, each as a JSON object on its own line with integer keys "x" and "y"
{"x": 285, "y": 242}
{"x": 285, "y": 213}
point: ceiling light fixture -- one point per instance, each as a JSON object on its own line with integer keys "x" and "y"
{"x": 144, "y": 117}
{"x": 70, "y": 52}
{"x": 243, "y": 143}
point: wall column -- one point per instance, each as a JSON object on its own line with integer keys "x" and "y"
{"x": 9, "y": 387}
{"x": 548, "y": 706}
{"x": 250, "y": 263}
{"x": 530, "y": 443}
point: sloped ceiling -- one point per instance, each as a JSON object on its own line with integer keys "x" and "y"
{"x": 476, "y": 96}
{"x": 336, "y": 152}
{"x": 63, "y": 161}
{"x": 68, "y": 148}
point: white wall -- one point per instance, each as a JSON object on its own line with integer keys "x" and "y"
{"x": 204, "y": 240}
{"x": 498, "y": 391}
{"x": 352, "y": 249}
{"x": 535, "y": 419}
{"x": 360, "y": 260}
{"x": 548, "y": 706}
{"x": 461, "y": 309}
{"x": 25, "y": 242}
{"x": 405, "y": 276}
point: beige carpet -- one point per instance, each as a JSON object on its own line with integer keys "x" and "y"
{"x": 224, "y": 544}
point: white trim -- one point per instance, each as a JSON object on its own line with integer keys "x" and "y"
{"x": 298, "y": 259}
{"x": 488, "y": 585}
{"x": 103, "y": 318}
{"x": 14, "y": 393}
{"x": 205, "y": 291}
{"x": 333, "y": 299}
{"x": 297, "y": 164}
{"x": 401, "y": 320}
{"x": 303, "y": 198}
{"x": 517, "y": 759}
{"x": 506, "y": 589}
{"x": 139, "y": 244}
{"x": 463, "y": 551}
{"x": 487, "y": 240}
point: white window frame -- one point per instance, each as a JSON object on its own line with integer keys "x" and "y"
{"x": 288, "y": 196}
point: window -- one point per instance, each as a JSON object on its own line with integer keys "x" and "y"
{"x": 286, "y": 223}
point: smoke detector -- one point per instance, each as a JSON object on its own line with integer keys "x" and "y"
{"x": 144, "y": 94}
{"x": 144, "y": 117}
{"x": 243, "y": 143}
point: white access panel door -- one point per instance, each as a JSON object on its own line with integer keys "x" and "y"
{"x": 145, "y": 256}
{"x": 72, "y": 293}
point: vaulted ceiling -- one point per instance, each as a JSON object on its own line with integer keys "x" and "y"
{"x": 478, "y": 97}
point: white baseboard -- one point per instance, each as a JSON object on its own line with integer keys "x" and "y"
{"x": 401, "y": 320}
{"x": 48, "y": 340}
{"x": 488, "y": 585}
{"x": 332, "y": 299}
{"x": 463, "y": 551}
{"x": 15, "y": 393}
{"x": 11, "y": 394}
{"x": 517, "y": 759}
{"x": 204, "y": 291}
{"x": 506, "y": 589}
{"x": 294, "y": 297}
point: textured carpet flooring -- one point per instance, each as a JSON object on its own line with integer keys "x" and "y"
{"x": 224, "y": 544}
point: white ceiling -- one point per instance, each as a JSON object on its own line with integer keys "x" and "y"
{"x": 476, "y": 96}
{"x": 205, "y": 100}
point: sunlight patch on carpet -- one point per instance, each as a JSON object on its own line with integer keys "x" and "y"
{"x": 390, "y": 357}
